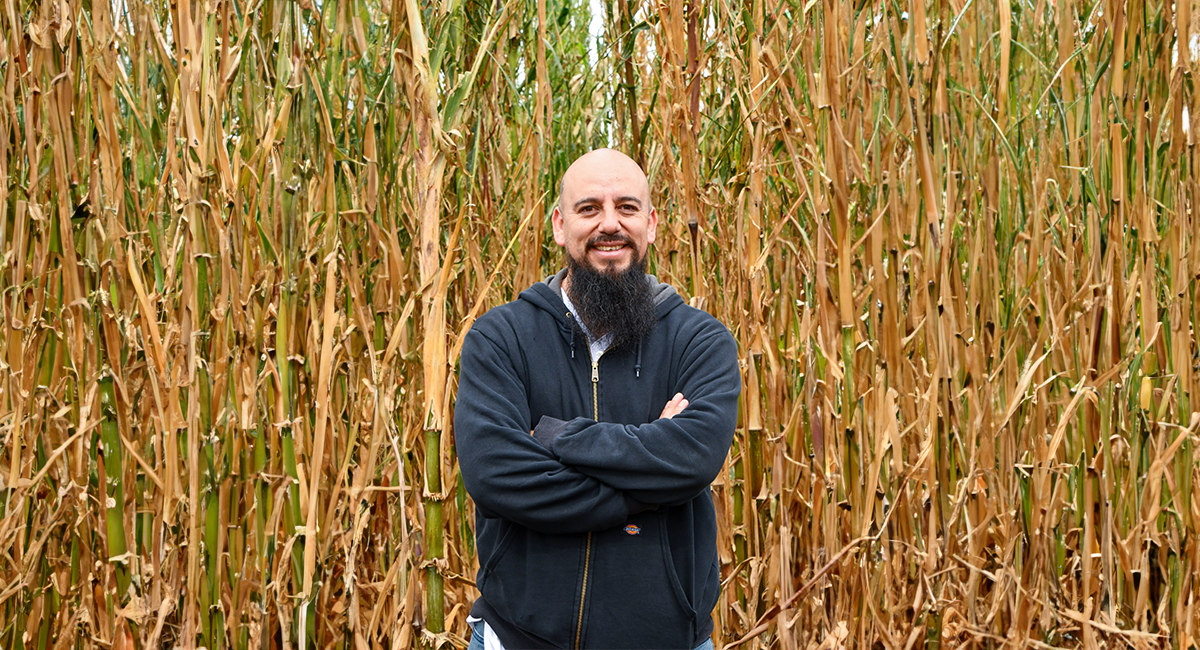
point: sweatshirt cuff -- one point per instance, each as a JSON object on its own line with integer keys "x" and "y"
{"x": 547, "y": 430}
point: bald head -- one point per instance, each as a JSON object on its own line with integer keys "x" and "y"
{"x": 606, "y": 167}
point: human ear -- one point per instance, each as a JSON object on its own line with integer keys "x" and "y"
{"x": 556, "y": 221}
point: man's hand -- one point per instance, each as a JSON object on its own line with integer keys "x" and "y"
{"x": 674, "y": 407}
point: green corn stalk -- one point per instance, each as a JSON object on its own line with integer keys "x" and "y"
{"x": 51, "y": 604}
{"x": 293, "y": 516}
{"x": 114, "y": 489}
{"x": 264, "y": 545}
{"x": 738, "y": 471}
{"x": 1175, "y": 585}
{"x": 933, "y": 630}
{"x": 434, "y": 531}
{"x": 210, "y": 609}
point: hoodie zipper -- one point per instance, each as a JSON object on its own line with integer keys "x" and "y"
{"x": 587, "y": 558}
{"x": 595, "y": 383}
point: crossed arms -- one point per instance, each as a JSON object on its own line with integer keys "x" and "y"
{"x": 581, "y": 475}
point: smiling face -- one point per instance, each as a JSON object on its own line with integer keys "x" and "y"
{"x": 604, "y": 219}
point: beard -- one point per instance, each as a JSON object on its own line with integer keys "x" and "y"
{"x": 613, "y": 302}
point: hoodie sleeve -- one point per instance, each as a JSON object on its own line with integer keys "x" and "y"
{"x": 666, "y": 461}
{"x": 505, "y": 470}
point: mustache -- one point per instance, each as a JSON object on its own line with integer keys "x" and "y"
{"x": 609, "y": 240}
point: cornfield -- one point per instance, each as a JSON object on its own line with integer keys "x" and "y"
{"x": 242, "y": 241}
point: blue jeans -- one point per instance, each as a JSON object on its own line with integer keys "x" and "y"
{"x": 477, "y": 639}
{"x": 476, "y": 636}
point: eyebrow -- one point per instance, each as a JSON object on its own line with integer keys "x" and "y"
{"x": 620, "y": 199}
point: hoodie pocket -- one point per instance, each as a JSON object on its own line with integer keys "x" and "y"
{"x": 499, "y": 548}
{"x": 672, "y": 575}
{"x": 637, "y": 600}
{"x": 533, "y": 582}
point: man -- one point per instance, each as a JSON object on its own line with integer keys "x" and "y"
{"x": 592, "y": 414}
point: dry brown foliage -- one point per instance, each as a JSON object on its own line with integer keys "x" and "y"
{"x": 241, "y": 241}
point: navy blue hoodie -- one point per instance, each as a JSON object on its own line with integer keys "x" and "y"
{"x": 598, "y": 530}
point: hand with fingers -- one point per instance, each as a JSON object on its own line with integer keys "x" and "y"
{"x": 674, "y": 407}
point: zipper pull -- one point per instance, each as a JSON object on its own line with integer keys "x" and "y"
{"x": 595, "y": 372}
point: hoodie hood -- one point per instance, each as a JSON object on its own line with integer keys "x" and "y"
{"x": 547, "y": 295}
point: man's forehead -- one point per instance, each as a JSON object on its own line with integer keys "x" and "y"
{"x": 604, "y": 172}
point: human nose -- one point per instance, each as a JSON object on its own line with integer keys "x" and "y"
{"x": 610, "y": 222}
